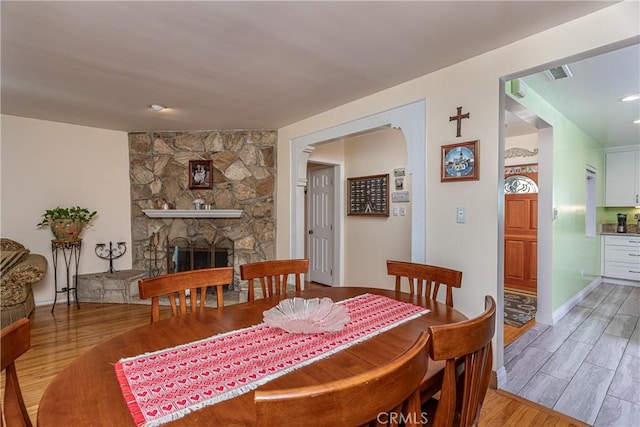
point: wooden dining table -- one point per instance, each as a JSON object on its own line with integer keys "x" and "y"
{"x": 87, "y": 392}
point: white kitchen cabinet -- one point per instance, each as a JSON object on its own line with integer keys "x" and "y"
{"x": 622, "y": 181}
{"x": 621, "y": 256}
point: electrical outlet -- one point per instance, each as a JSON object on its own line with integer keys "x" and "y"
{"x": 403, "y": 211}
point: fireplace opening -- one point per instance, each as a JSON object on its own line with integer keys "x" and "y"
{"x": 185, "y": 255}
{"x": 185, "y": 259}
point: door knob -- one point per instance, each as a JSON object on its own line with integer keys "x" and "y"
{"x": 310, "y": 231}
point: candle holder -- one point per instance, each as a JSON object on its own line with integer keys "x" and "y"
{"x": 154, "y": 241}
{"x": 111, "y": 253}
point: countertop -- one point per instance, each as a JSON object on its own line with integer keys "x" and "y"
{"x": 610, "y": 230}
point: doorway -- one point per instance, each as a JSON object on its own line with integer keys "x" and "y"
{"x": 521, "y": 230}
{"x": 411, "y": 120}
{"x": 527, "y": 240}
{"x": 520, "y": 244}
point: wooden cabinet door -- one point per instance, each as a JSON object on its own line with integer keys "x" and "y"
{"x": 621, "y": 179}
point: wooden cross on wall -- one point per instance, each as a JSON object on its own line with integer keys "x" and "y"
{"x": 458, "y": 117}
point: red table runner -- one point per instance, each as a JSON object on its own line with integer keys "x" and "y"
{"x": 165, "y": 385}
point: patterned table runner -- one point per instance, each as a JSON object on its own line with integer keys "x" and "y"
{"x": 165, "y": 385}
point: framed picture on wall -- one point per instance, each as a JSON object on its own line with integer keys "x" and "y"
{"x": 200, "y": 176}
{"x": 460, "y": 162}
{"x": 368, "y": 195}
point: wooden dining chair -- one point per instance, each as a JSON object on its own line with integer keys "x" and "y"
{"x": 15, "y": 340}
{"x": 378, "y": 395}
{"x": 273, "y": 275}
{"x": 196, "y": 281}
{"x": 425, "y": 279}
{"x": 466, "y": 349}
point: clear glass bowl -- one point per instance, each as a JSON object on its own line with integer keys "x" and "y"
{"x": 307, "y": 316}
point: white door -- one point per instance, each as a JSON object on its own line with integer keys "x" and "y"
{"x": 320, "y": 226}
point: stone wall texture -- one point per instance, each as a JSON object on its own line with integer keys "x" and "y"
{"x": 244, "y": 177}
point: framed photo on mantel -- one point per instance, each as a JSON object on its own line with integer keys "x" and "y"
{"x": 460, "y": 162}
{"x": 368, "y": 195}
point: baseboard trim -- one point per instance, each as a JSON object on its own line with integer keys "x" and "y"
{"x": 499, "y": 378}
{"x": 567, "y": 306}
{"x": 50, "y": 302}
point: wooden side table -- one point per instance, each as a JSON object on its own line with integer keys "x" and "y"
{"x": 71, "y": 253}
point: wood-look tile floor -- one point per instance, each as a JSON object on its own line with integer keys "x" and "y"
{"x": 587, "y": 366}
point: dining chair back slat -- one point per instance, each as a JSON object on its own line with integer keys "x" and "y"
{"x": 273, "y": 276}
{"x": 466, "y": 347}
{"x": 177, "y": 284}
{"x": 380, "y": 395}
{"x": 15, "y": 340}
{"x": 424, "y": 279}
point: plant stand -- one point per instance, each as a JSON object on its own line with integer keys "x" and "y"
{"x": 71, "y": 254}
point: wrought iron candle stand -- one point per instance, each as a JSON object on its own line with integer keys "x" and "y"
{"x": 154, "y": 242}
{"x": 111, "y": 253}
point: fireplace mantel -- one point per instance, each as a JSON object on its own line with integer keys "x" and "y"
{"x": 192, "y": 213}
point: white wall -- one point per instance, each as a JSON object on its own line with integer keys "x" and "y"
{"x": 371, "y": 241}
{"x": 330, "y": 151}
{"x": 46, "y": 164}
{"x": 473, "y": 84}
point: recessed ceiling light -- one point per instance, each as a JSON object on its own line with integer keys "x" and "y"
{"x": 631, "y": 98}
{"x": 157, "y": 107}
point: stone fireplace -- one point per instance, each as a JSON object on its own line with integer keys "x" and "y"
{"x": 244, "y": 174}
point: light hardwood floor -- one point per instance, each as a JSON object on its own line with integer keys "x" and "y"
{"x": 56, "y": 340}
{"x": 512, "y": 333}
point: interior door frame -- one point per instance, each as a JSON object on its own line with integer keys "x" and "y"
{"x": 544, "y": 311}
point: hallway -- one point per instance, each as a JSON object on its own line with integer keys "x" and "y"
{"x": 587, "y": 366}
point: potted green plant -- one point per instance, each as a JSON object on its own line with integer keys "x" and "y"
{"x": 67, "y": 223}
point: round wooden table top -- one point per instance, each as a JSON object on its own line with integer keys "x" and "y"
{"x": 87, "y": 392}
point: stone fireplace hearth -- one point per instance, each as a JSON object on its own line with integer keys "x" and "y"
{"x": 244, "y": 174}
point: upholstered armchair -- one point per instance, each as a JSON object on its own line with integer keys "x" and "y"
{"x": 19, "y": 269}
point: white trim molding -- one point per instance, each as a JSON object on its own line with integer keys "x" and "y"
{"x": 411, "y": 120}
{"x": 561, "y": 311}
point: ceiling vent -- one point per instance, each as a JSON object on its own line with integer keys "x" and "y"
{"x": 558, "y": 73}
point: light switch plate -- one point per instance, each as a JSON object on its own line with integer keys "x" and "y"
{"x": 461, "y": 216}
{"x": 400, "y": 197}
